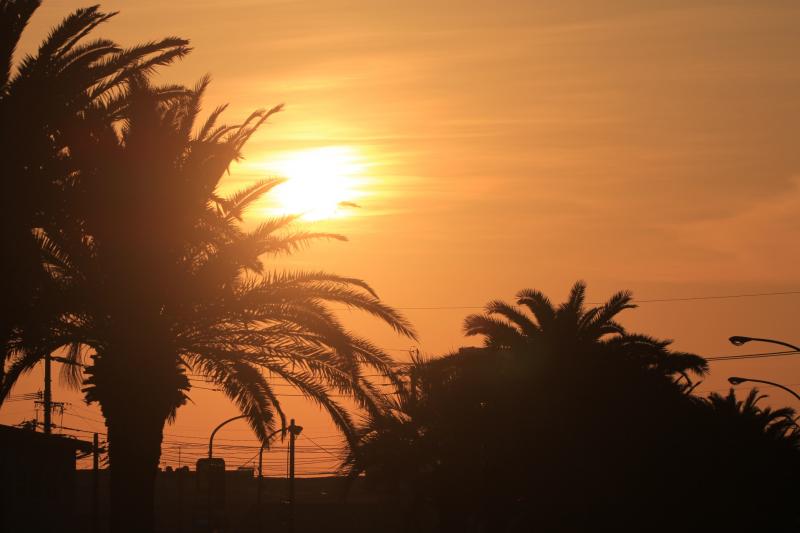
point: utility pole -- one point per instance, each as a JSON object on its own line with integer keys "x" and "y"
{"x": 294, "y": 431}
{"x": 259, "y": 513}
{"x": 260, "y": 474}
{"x": 48, "y": 396}
{"x": 95, "y": 483}
{"x": 291, "y": 462}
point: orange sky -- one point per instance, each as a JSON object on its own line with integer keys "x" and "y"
{"x": 520, "y": 144}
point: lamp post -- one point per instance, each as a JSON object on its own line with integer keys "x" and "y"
{"x": 734, "y": 380}
{"x": 211, "y": 439}
{"x": 261, "y": 461}
{"x": 738, "y": 340}
{"x": 294, "y": 430}
{"x": 261, "y": 475}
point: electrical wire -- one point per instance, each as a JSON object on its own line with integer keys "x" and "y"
{"x": 318, "y": 446}
{"x": 636, "y": 301}
{"x": 742, "y": 388}
{"x": 761, "y": 355}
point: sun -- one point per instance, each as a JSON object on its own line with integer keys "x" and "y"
{"x": 321, "y": 183}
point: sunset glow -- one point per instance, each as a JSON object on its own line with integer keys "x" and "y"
{"x": 321, "y": 183}
{"x": 411, "y": 229}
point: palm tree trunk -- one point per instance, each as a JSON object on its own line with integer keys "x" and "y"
{"x": 134, "y": 451}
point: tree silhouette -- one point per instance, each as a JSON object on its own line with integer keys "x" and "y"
{"x": 751, "y": 460}
{"x": 570, "y": 329}
{"x": 778, "y": 424}
{"x": 561, "y": 424}
{"x": 562, "y": 421}
{"x": 40, "y": 101}
{"x": 166, "y": 282}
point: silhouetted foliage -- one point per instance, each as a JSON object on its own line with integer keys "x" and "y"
{"x": 167, "y": 282}
{"x": 747, "y": 479}
{"x": 570, "y": 329}
{"x": 42, "y": 100}
{"x": 561, "y": 424}
{"x": 149, "y": 269}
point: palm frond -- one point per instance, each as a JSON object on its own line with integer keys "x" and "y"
{"x": 235, "y": 205}
{"x": 20, "y": 364}
{"x": 539, "y": 305}
{"x": 246, "y": 387}
{"x": 497, "y": 332}
{"x": 574, "y": 304}
{"x": 515, "y": 317}
{"x": 72, "y": 371}
{"x": 71, "y": 29}
{"x": 14, "y": 17}
{"x": 208, "y": 125}
{"x": 313, "y": 391}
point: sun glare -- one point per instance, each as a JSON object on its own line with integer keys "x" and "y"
{"x": 321, "y": 183}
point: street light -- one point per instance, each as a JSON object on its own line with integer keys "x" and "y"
{"x": 211, "y": 439}
{"x": 734, "y": 380}
{"x": 261, "y": 459}
{"x": 738, "y": 340}
{"x": 294, "y": 431}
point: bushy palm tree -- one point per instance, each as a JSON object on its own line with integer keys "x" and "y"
{"x": 572, "y": 330}
{"x": 432, "y": 447}
{"x": 752, "y": 454}
{"x": 40, "y": 100}
{"x": 166, "y": 282}
{"x": 750, "y": 420}
{"x": 550, "y": 423}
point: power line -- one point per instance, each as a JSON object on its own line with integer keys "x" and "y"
{"x": 742, "y": 388}
{"x": 67, "y": 413}
{"x": 638, "y": 301}
{"x": 719, "y": 297}
{"x": 762, "y": 355}
{"x": 320, "y": 447}
{"x": 25, "y": 397}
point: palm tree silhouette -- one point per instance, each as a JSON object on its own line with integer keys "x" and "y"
{"x": 512, "y": 429}
{"x": 166, "y": 283}
{"x": 571, "y": 329}
{"x": 748, "y": 417}
{"x": 40, "y": 100}
{"x": 753, "y": 455}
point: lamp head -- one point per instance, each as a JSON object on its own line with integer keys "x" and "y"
{"x": 738, "y": 340}
{"x": 295, "y": 430}
{"x": 733, "y": 380}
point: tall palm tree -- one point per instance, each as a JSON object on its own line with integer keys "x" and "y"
{"x": 40, "y": 99}
{"x": 167, "y": 283}
{"x": 571, "y": 329}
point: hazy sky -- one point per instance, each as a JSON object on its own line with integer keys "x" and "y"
{"x": 503, "y": 145}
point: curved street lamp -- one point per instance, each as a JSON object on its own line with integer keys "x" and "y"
{"x": 293, "y": 429}
{"x": 738, "y": 340}
{"x": 733, "y": 380}
{"x": 211, "y": 439}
